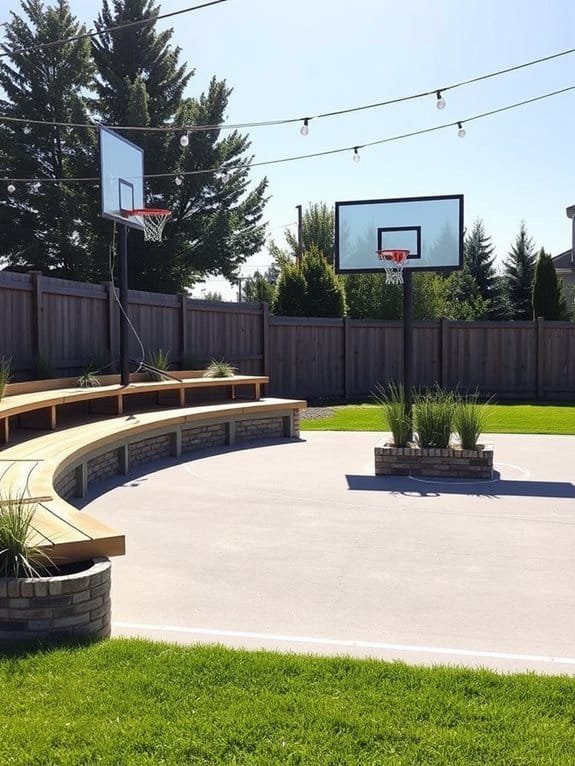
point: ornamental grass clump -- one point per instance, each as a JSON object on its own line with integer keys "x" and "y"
{"x": 469, "y": 420}
{"x": 434, "y": 417}
{"x": 392, "y": 399}
{"x": 18, "y": 558}
{"x": 219, "y": 369}
{"x": 158, "y": 363}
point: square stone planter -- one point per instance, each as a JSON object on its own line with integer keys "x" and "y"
{"x": 452, "y": 462}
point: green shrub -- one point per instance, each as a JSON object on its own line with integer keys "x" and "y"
{"x": 219, "y": 369}
{"x": 5, "y": 373}
{"x": 88, "y": 379}
{"x": 18, "y": 558}
{"x": 392, "y": 399}
{"x": 469, "y": 420}
{"x": 159, "y": 362}
{"x": 434, "y": 417}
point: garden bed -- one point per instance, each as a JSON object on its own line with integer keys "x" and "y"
{"x": 450, "y": 462}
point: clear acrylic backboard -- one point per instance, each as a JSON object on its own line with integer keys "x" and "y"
{"x": 122, "y": 178}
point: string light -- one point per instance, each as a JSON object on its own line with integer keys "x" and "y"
{"x": 185, "y": 140}
{"x": 440, "y": 102}
{"x": 10, "y": 188}
{"x": 390, "y": 139}
{"x": 356, "y": 157}
{"x": 461, "y": 130}
{"x": 178, "y": 180}
{"x": 304, "y": 130}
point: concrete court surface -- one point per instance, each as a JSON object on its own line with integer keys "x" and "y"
{"x": 297, "y": 546}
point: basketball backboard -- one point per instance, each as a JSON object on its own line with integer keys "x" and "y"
{"x": 122, "y": 178}
{"x": 431, "y": 228}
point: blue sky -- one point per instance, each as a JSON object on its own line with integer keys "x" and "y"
{"x": 289, "y": 59}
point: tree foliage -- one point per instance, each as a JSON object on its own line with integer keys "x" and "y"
{"x": 519, "y": 271}
{"x": 548, "y": 300}
{"x": 479, "y": 260}
{"x": 318, "y": 230}
{"x": 130, "y": 77}
{"x": 309, "y": 288}
{"x": 259, "y": 288}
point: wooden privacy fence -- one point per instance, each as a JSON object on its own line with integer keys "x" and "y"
{"x": 67, "y": 323}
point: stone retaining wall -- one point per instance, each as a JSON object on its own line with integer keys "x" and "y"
{"x": 61, "y": 607}
{"x": 104, "y": 466}
{"x": 260, "y": 428}
{"x": 149, "y": 449}
{"x": 205, "y": 436}
{"x": 427, "y": 461}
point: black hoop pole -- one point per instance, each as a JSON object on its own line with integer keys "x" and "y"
{"x": 408, "y": 347}
{"x": 123, "y": 280}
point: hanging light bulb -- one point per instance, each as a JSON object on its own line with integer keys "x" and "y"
{"x": 184, "y": 140}
{"x": 356, "y": 157}
{"x": 460, "y": 130}
{"x": 10, "y": 188}
{"x": 178, "y": 180}
{"x": 440, "y": 103}
{"x": 304, "y": 130}
{"x": 26, "y": 130}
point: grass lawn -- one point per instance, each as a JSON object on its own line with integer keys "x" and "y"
{"x": 501, "y": 418}
{"x": 134, "y": 703}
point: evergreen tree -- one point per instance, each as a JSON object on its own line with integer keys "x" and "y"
{"x": 259, "y": 288}
{"x": 289, "y": 299}
{"x": 216, "y": 219}
{"x": 479, "y": 260}
{"x": 324, "y": 292}
{"x": 318, "y": 230}
{"x": 464, "y": 301}
{"x": 369, "y": 297}
{"x": 548, "y": 300}
{"x": 519, "y": 271}
{"x": 39, "y": 224}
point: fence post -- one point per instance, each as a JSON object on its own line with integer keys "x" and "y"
{"x": 347, "y": 358}
{"x": 265, "y": 309}
{"x": 183, "y": 327}
{"x": 540, "y": 358}
{"x": 443, "y": 352}
{"x": 37, "y": 313}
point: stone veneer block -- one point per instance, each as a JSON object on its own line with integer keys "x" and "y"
{"x": 429, "y": 461}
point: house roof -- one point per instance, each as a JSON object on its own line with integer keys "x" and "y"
{"x": 564, "y": 261}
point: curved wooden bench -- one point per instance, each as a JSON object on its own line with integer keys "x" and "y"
{"x": 60, "y": 464}
{"x": 48, "y": 401}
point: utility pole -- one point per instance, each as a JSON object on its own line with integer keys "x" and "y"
{"x": 571, "y": 214}
{"x": 299, "y": 233}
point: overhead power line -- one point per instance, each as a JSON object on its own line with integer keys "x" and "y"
{"x": 354, "y": 148}
{"x": 108, "y": 30}
{"x": 289, "y": 120}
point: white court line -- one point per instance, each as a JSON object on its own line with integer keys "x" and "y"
{"x": 350, "y": 644}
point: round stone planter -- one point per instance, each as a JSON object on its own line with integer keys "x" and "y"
{"x": 62, "y": 607}
{"x": 452, "y": 462}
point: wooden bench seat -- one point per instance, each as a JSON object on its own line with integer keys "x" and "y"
{"x": 47, "y": 402}
{"x": 64, "y": 457}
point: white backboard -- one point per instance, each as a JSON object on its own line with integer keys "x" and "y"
{"x": 122, "y": 178}
{"x": 431, "y": 228}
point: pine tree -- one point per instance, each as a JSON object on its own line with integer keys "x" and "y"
{"x": 519, "y": 271}
{"x": 548, "y": 300}
{"x": 216, "y": 218}
{"x": 39, "y": 224}
{"x": 479, "y": 260}
{"x": 324, "y": 293}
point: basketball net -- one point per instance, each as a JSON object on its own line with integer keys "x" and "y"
{"x": 393, "y": 261}
{"x": 154, "y": 221}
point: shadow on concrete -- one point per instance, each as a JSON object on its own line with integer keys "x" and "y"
{"x": 430, "y": 487}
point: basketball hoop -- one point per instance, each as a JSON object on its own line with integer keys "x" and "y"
{"x": 393, "y": 262}
{"x": 154, "y": 221}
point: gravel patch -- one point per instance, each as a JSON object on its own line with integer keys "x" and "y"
{"x": 316, "y": 413}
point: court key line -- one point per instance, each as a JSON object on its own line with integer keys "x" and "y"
{"x": 348, "y": 643}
